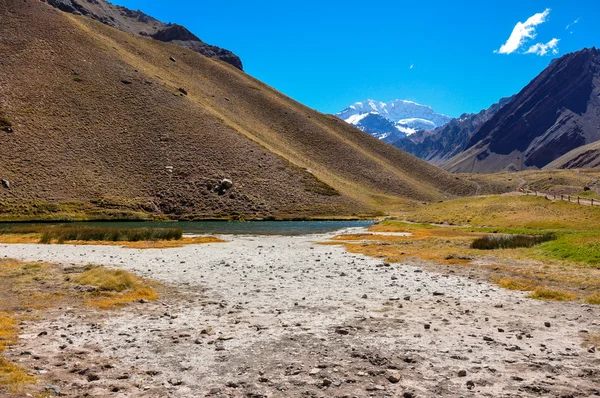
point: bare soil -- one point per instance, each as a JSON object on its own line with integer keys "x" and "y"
{"x": 286, "y": 317}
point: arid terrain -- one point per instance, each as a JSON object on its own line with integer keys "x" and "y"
{"x": 290, "y": 317}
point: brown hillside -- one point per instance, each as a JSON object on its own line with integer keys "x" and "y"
{"x": 583, "y": 157}
{"x": 99, "y": 124}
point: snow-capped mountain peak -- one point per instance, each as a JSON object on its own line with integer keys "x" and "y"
{"x": 403, "y": 118}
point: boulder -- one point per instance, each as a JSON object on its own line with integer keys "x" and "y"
{"x": 5, "y": 184}
{"x": 226, "y": 183}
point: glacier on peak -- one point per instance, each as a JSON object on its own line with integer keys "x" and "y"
{"x": 392, "y": 120}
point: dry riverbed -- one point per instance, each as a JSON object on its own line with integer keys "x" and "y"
{"x": 276, "y": 316}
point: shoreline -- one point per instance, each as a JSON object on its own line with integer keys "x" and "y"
{"x": 281, "y": 316}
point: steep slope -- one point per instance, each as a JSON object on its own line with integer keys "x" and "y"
{"x": 584, "y": 157}
{"x": 391, "y": 121}
{"x": 100, "y": 118}
{"x": 554, "y": 114}
{"x": 439, "y": 145}
{"x": 138, "y": 23}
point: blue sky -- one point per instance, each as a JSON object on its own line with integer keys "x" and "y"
{"x": 329, "y": 54}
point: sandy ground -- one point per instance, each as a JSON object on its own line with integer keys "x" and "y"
{"x": 285, "y": 317}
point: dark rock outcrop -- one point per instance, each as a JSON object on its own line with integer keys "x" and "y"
{"x": 439, "y": 145}
{"x": 557, "y": 112}
{"x": 136, "y": 22}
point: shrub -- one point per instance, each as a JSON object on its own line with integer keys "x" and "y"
{"x": 63, "y": 233}
{"x": 491, "y": 242}
{"x": 71, "y": 233}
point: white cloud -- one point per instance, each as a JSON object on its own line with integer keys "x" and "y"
{"x": 412, "y": 66}
{"x": 572, "y": 23}
{"x": 542, "y": 49}
{"x": 522, "y": 32}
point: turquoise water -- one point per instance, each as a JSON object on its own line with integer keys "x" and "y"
{"x": 233, "y": 228}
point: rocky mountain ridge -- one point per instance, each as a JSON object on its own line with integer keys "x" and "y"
{"x": 555, "y": 113}
{"x": 138, "y": 23}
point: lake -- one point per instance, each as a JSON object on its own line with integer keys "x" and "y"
{"x": 233, "y": 227}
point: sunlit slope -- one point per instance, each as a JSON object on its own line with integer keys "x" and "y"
{"x": 98, "y": 117}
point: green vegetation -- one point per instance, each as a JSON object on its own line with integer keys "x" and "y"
{"x": 75, "y": 233}
{"x": 65, "y": 233}
{"x": 515, "y": 212}
{"x": 101, "y": 209}
{"x": 577, "y": 247}
{"x": 551, "y": 249}
{"x": 491, "y": 242}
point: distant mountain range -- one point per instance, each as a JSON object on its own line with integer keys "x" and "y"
{"x": 551, "y": 118}
{"x": 391, "y": 121}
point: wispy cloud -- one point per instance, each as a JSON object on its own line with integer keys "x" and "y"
{"x": 572, "y": 23}
{"x": 543, "y": 49}
{"x": 522, "y": 32}
{"x": 412, "y": 66}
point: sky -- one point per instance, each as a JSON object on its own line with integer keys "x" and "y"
{"x": 455, "y": 56}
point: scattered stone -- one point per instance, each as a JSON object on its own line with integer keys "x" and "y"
{"x": 175, "y": 382}
{"x": 226, "y": 183}
{"x": 53, "y": 389}
{"x": 393, "y": 377}
{"x": 342, "y": 331}
{"x": 314, "y": 371}
{"x": 5, "y": 184}
{"x": 592, "y": 349}
{"x": 93, "y": 377}
{"x": 427, "y": 326}
{"x": 547, "y": 324}
{"x": 364, "y": 296}
{"x": 408, "y": 394}
{"x": 172, "y": 59}
{"x": 183, "y": 91}
{"x": 126, "y": 81}
{"x": 470, "y": 384}
{"x": 462, "y": 373}
{"x": 438, "y": 293}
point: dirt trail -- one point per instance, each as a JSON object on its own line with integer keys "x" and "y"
{"x": 285, "y": 317}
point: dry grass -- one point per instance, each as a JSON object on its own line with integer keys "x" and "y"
{"x": 516, "y": 212}
{"x": 271, "y": 139}
{"x": 159, "y": 244}
{"x": 36, "y": 286}
{"x": 593, "y": 299}
{"x": 526, "y": 269}
{"x": 542, "y": 293}
{"x": 13, "y": 377}
{"x": 115, "y": 288}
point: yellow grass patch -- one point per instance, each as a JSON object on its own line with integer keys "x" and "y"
{"x": 516, "y": 284}
{"x": 552, "y": 294}
{"x": 159, "y": 244}
{"x": 40, "y": 286}
{"x": 13, "y": 377}
{"x": 516, "y": 269}
{"x": 115, "y": 287}
{"x": 593, "y": 299}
